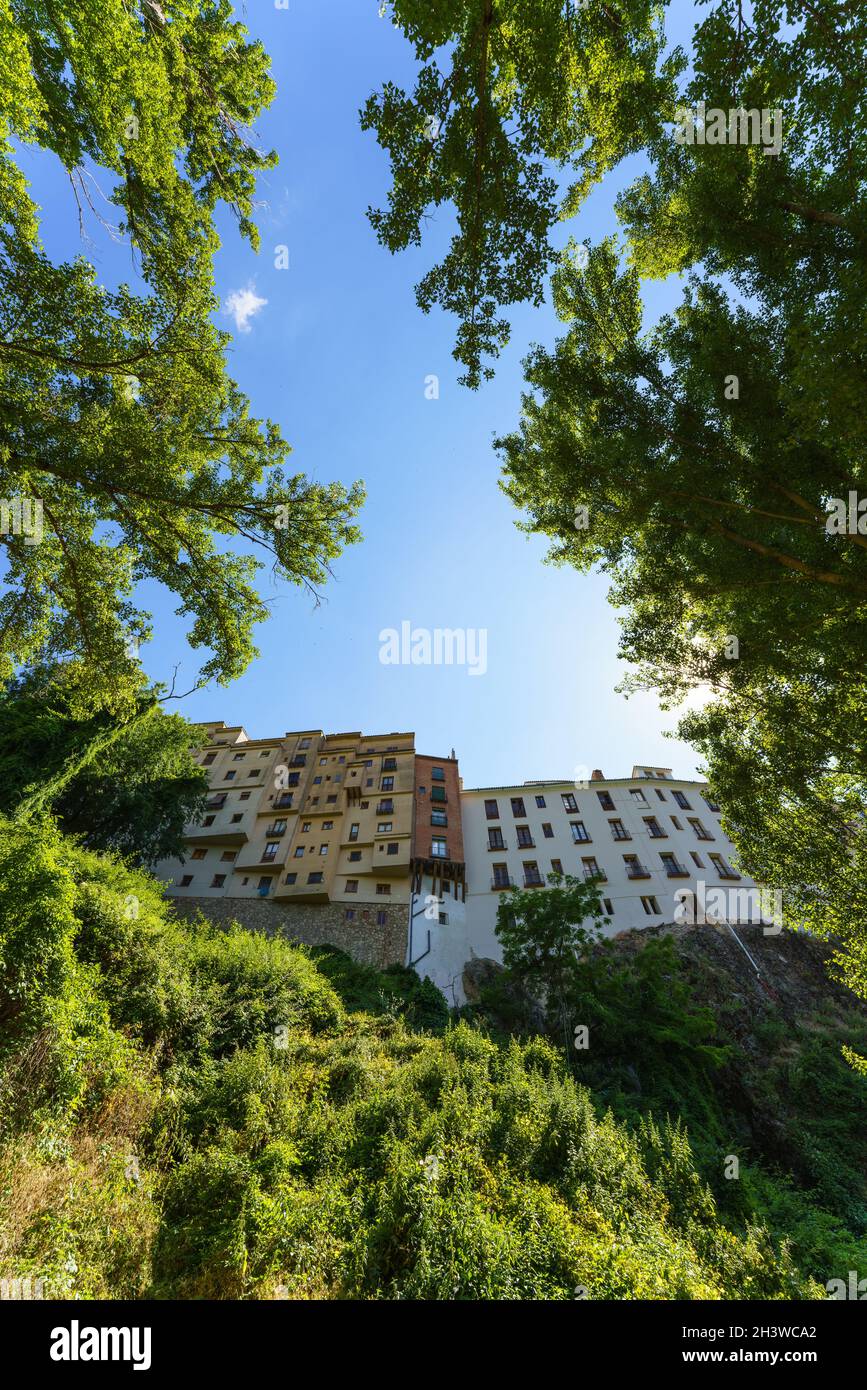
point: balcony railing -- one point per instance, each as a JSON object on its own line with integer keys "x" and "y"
{"x": 274, "y": 831}
{"x": 590, "y": 874}
{"x": 502, "y": 883}
{"x": 494, "y": 848}
{"x": 283, "y": 803}
{"x": 703, "y": 835}
{"x": 675, "y": 870}
{"x": 298, "y": 762}
{"x": 216, "y": 805}
{"x": 658, "y": 834}
{"x": 535, "y": 882}
{"x": 385, "y": 808}
{"x": 728, "y": 872}
{"x": 620, "y": 835}
{"x": 637, "y": 871}
{"x": 268, "y": 858}
{"x": 526, "y": 844}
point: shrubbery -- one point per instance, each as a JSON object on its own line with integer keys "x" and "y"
{"x": 212, "y": 1119}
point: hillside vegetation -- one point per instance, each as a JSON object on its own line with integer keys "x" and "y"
{"x": 193, "y": 1113}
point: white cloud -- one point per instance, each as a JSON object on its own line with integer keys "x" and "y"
{"x": 242, "y": 305}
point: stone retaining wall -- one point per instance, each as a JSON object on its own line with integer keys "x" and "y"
{"x": 314, "y": 924}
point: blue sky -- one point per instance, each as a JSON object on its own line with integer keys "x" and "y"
{"x": 338, "y": 356}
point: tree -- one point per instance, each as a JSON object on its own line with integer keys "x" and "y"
{"x": 128, "y": 788}
{"x": 508, "y": 93}
{"x": 118, "y": 420}
{"x": 543, "y": 933}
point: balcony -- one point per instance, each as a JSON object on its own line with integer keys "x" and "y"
{"x": 526, "y": 844}
{"x": 284, "y": 802}
{"x": 499, "y": 883}
{"x": 268, "y": 859}
{"x": 274, "y": 832}
{"x": 637, "y": 870}
{"x": 385, "y": 808}
{"x": 675, "y": 870}
{"x": 298, "y": 762}
{"x": 728, "y": 872}
{"x": 703, "y": 835}
{"x": 620, "y": 835}
{"x": 216, "y": 803}
{"x": 536, "y": 881}
{"x": 658, "y": 834}
{"x": 606, "y": 803}
{"x": 493, "y": 849}
{"x": 599, "y": 874}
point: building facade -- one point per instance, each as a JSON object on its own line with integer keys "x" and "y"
{"x": 350, "y": 833}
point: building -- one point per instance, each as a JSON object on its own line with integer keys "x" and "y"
{"x": 361, "y": 841}
{"x": 344, "y": 832}
{"x": 645, "y": 838}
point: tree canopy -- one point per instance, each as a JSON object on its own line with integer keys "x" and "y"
{"x": 117, "y": 415}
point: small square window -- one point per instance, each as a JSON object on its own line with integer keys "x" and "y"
{"x": 186, "y": 881}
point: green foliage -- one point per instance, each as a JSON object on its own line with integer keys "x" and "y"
{"x": 396, "y": 990}
{"x": 116, "y": 410}
{"x": 132, "y": 787}
{"x": 246, "y": 1137}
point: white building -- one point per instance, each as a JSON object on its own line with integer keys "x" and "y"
{"x": 648, "y": 837}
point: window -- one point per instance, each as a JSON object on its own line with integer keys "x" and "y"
{"x": 438, "y": 818}
{"x": 659, "y": 793}
{"x": 228, "y": 856}
{"x": 672, "y": 867}
{"x": 605, "y": 801}
{"x": 306, "y": 826}
{"x": 443, "y": 919}
{"x": 218, "y": 880}
{"x": 208, "y": 759}
{"x": 638, "y": 796}
{"x": 532, "y": 876}
{"x": 328, "y": 825}
{"x": 186, "y": 881}
{"x": 608, "y": 905}
{"x": 271, "y": 849}
{"x": 634, "y": 867}
{"x": 384, "y": 827}
{"x": 353, "y": 832}
{"x": 501, "y": 875}
{"x": 255, "y": 771}
{"x": 237, "y": 757}
{"x": 341, "y": 759}
{"x": 681, "y": 801}
{"x": 439, "y": 847}
{"x": 592, "y": 869}
{"x": 322, "y": 762}
{"x": 315, "y": 878}
{"x": 305, "y": 743}
{"x": 676, "y": 823}
{"x": 349, "y": 914}
{"x": 385, "y": 808}
{"x": 446, "y": 887}
{"x": 383, "y": 890}
{"x": 700, "y": 832}
{"x": 619, "y": 831}
{"x": 524, "y": 836}
{"x": 354, "y": 856}
{"x": 711, "y": 804}
{"x": 387, "y": 784}
{"x": 244, "y": 796}
{"x": 209, "y": 820}
{"x": 266, "y": 753}
{"x": 437, "y": 774}
{"x": 290, "y": 879}
{"x": 198, "y": 854}
{"x": 547, "y": 831}
{"x": 651, "y": 906}
{"x": 293, "y": 779}
{"x": 299, "y": 852}
{"x": 277, "y": 827}
{"x": 540, "y": 802}
{"x": 518, "y": 806}
{"x": 393, "y": 847}
{"x": 579, "y": 831}
{"x": 264, "y": 885}
{"x": 569, "y": 802}
{"x": 556, "y": 867}
{"x": 422, "y": 790}
{"x": 495, "y": 838}
{"x": 492, "y": 811}
{"x": 237, "y": 818}
{"x": 352, "y": 885}
{"x": 389, "y": 765}
{"x": 330, "y": 800}
{"x": 438, "y": 794}
{"x": 323, "y": 849}
{"x": 695, "y": 859}
{"x": 656, "y": 830}
{"x": 723, "y": 868}
{"x": 381, "y": 919}
{"x": 230, "y": 775}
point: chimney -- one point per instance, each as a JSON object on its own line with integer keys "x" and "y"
{"x": 596, "y": 775}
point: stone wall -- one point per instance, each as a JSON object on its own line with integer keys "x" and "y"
{"x": 314, "y": 924}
